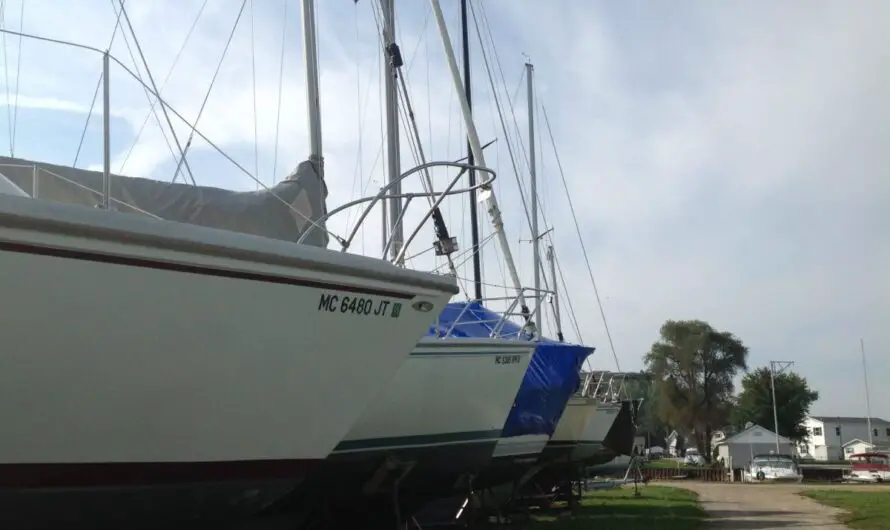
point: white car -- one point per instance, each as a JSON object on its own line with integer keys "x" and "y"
{"x": 693, "y": 458}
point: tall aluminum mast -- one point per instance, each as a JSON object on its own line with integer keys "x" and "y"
{"x": 310, "y": 58}
{"x": 533, "y": 177}
{"x": 487, "y": 194}
{"x": 390, "y": 56}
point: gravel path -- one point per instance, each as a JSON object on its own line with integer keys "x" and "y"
{"x": 766, "y": 506}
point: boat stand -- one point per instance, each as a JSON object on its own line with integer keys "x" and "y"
{"x": 634, "y": 467}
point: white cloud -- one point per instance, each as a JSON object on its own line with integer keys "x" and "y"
{"x": 726, "y": 164}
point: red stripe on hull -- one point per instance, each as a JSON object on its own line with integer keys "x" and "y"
{"x": 126, "y": 261}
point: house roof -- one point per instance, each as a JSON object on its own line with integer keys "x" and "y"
{"x": 855, "y": 441}
{"x": 849, "y": 419}
{"x": 755, "y": 434}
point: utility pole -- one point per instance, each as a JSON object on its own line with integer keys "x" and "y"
{"x": 867, "y": 398}
{"x": 777, "y": 368}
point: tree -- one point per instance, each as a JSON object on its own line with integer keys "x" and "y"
{"x": 649, "y": 423}
{"x": 693, "y": 366}
{"x": 793, "y": 400}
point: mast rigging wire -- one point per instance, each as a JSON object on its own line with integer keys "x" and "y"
{"x": 280, "y": 90}
{"x": 521, "y": 187}
{"x": 18, "y": 76}
{"x": 565, "y": 186}
{"x": 256, "y": 134}
{"x": 154, "y": 85}
{"x": 83, "y": 134}
{"x": 188, "y": 142}
{"x": 152, "y": 111}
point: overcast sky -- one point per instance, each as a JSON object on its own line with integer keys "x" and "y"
{"x": 727, "y": 160}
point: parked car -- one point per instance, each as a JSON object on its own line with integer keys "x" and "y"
{"x": 693, "y": 458}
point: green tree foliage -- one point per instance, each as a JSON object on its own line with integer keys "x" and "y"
{"x": 649, "y": 423}
{"x": 793, "y": 400}
{"x": 693, "y": 366}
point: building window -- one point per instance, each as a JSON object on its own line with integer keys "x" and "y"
{"x": 888, "y": 431}
{"x": 817, "y": 431}
{"x": 848, "y": 450}
{"x": 837, "y": 430}
{"x": 874, "y": 432}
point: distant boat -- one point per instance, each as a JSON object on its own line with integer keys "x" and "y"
{"x": 868, "y": 467}
{"x": 601, "y": 419}
{"x": 537, "y": 406}
{"x": 429, "y": 432}
{"x": 772, "y": 468}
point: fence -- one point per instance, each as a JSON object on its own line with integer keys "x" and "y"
{"x": 705, "y": 474}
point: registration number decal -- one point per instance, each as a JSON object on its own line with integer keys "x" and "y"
{"x": 359, "y": 305}
{"x": 506, "y": 359}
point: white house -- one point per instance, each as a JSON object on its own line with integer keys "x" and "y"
{"x": 755, "y": 440}
{"x": 828, "y": 434}
{"x": 674, "y": 441}
{"x": 856, "y": 446}
{"x": 673, "y": 444}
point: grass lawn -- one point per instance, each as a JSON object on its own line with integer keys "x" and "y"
{"x": 866, "y": 509}
{"x": 658, "y": 507}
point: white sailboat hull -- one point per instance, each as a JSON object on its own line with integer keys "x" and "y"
{"x": 595, "y": 431}
{"x": 573, "y": 421}
{"x": 449, "y": 391}
{"x": 569, "y": 429}
{"x": 439, "y": 419}
{"x": 142, "y": 352}
{"x": 529, "y": 445}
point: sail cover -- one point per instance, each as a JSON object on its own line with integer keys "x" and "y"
{"x": 8, "y": 188}
{"x": 552, "y": 377}
{"x": 283, "y": 212}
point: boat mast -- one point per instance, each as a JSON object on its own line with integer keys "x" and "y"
{"x": 533, "y": 175}
{"x": 487, "y": 194}
{"x": 106, "y": 133}
{"x": 385, "y": 227}
{"x": 474, "y": 215}
{"x": 390, "y": 53}
{"x": 552, "y": 259}
{"x": 310, "y": 58}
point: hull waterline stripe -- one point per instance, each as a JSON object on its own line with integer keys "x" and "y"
{"x": 422, "y": 439}
{"x": 132, "y": 474}
{"x": 560, "y": 444}
{"x": 203, "y": 270}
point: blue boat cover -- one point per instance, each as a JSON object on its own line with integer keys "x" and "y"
{"x": 552, "y": 377}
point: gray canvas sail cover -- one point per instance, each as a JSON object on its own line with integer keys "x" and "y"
{"x": 8, "y": 188}
{"x": 271, "y": 214}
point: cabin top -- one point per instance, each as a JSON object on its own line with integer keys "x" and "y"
{"x": 869, "y": 458}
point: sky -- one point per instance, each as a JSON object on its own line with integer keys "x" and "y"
{"x": 726, "y": 161}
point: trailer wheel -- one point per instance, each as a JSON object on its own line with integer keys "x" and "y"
{"x": 761, "y": 475}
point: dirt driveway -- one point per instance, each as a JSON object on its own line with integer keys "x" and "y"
{"x": 766, "y": 506}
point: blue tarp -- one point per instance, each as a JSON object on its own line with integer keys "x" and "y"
{"x": 552, "y": 376}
